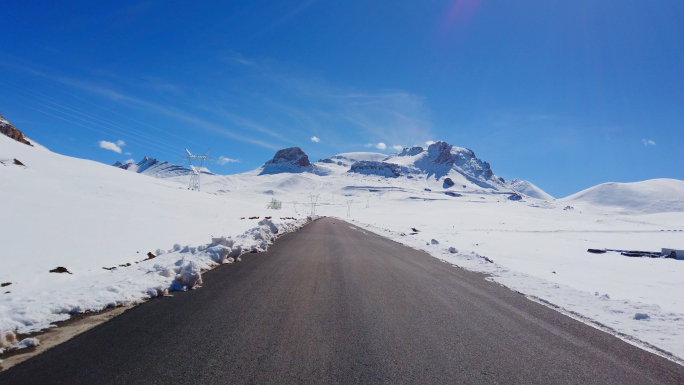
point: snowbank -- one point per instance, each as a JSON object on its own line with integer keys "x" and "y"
{"x": 179, "y": 268}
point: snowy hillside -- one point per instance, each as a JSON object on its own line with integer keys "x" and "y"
{"x": 529, "y": 189}
{"x": 647, "y": 197}
{"x": 84, "y": 216}
{"x": 99, "y": 222}
{"x": 158, "y": 169}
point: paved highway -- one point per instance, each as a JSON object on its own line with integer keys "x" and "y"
{"x": 332, "y": 304}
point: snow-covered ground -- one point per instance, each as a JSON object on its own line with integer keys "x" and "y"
{"x": 85, "y": 216}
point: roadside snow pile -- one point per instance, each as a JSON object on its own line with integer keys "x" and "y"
{"x": 8, "y": 341}
{"x": 178, "y": 269}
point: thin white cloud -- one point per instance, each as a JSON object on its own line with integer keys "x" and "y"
{"x": 368, "y": 145}
{"x": 397, "y": 147}
{"x": 381, "y": 146}
{"x": 168, "y": 111}
{"x": 130, "y": 161}
{"x": 223, "y": 160}
{"x": 429, "y": 142}
{"x": 110, "y": 146}
{"x": 315, "y": 139}
{"x": 120, "y": 143}
{"x": 128, "y": 154}
{"x": 648, "y": 142}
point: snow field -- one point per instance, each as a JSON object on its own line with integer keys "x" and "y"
{"x": 533, "y": 246}
{"x": 85, "y": 216}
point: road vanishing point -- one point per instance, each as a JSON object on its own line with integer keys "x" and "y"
{"x": 332, "y": 303}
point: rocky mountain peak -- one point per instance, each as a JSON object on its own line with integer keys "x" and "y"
{"x": 291, "y": 159}
{"x": 293, "y": 156}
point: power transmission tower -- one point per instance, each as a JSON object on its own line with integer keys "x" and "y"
{"x": 196, "y": 171}
{"x": 349, "y": 203}
{"x": 314, "y": 201}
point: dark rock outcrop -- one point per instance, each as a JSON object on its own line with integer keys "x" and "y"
{"x": 376, "y": 168}
{"x": 290, "y": 156}
{"x": 7, "y": 129}
{"x": 291, "y": 160}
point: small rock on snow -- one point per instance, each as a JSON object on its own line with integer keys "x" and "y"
{"x": 641, "y": 316}
{"x": 434, "y": 242}
{"x": 453, "y": 250}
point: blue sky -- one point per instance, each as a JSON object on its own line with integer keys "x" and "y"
{"x": 566, "y": 94}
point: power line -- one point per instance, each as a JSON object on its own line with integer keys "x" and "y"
{"x": 132, "y": 134}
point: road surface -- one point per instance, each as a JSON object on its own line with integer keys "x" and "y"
{"x": 334, "y": 304}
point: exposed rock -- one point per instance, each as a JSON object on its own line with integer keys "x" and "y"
{"x": 60, "y": 269}
{"x": 291, "y": 159}
{"x": 515, "y": 197}
{"x": 448, "y": 183}
{"x": 641, "y": 316}
{"x": 376, "y": 168}
{"x": 7, "y": 129}
{"x": 596, "y": 251}
{"x": 292, "y": 155}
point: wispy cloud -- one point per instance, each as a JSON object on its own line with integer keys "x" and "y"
{"x": 381, "y": 146}
{"x": 315, "y": 139}
{"x": 648, "y": 142}
{"x": 110, "y": 146}
{"x": 164, "y": 110}
{"x": 388, "y": 115}
{"x": 397, "y": 147}
{"x": 223, "y": 160}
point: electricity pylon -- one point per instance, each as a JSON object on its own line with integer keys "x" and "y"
{"x": 196, "y": 171}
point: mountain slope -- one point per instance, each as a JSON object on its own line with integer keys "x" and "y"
{"x": 647, "y": 197}
{"x": 158, "y": 169}
{"x": 529, "y": 189}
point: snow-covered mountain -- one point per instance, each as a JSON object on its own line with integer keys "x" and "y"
{"x": 158, "y": 169}
{"x": 349, "y": 158}
{"x": 444, "y": 160}
{"x": 647, "y": 197}
{"x": 529, "y": 189}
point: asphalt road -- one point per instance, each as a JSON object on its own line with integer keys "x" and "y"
{"x": 331, "y": 304}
